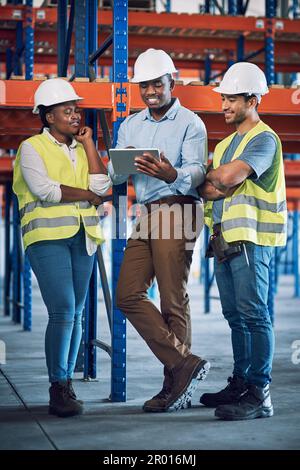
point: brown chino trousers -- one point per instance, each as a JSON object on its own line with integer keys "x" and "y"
{"x": 153, "y": 252}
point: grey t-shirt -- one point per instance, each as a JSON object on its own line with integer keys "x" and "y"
{"x": 258, "y": 153}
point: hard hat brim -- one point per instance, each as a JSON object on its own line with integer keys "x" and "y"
{"x": 36, "y": 108}
{"x": 223, "y": 91}
{"x": 150, "y": 77}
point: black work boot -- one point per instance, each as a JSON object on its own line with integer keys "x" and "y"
{"x": 231, "y": 394}
{"x": 255, "y": 403}
{"x": 72, "y": 391}
{"x": 61, "y": 404}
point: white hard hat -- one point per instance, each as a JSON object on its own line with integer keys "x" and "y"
{"x": 243, "y": 77}
{"x": 151, "y": 64}
{"x": 53, "y": 91}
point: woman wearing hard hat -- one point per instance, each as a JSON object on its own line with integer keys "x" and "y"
{"x": 247, "y": 214}
{"x": 59, "y": 179}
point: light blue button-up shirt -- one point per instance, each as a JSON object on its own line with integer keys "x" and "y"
{"x": 181, "y": 135}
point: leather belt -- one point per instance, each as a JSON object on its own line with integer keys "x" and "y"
{"x": 169, "y": 200}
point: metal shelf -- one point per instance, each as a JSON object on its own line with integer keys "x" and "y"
{"x": 187, "y": 37}
{"x": 194, "y": 41}
{"x": 280, "y": 109}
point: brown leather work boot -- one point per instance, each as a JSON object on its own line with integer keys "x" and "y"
{"x": 158, "y": 402}
{"x": 186, "y": 378}
{"x": 72, "y": 391}
{"x": 61, "y": 404}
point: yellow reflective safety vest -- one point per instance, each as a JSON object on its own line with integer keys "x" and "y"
{"x": 41, "y": 220}
{"x": 253, "y": 213}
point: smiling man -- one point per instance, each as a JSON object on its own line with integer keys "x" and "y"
{"x": 159, "y": 185}
{"x": 247, "y": 215}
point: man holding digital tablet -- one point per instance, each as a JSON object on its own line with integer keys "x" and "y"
{"x": 161, "y": 245}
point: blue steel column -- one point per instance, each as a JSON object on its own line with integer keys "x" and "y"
{"x": 240, "y": 48}
{"x": 81, "y": 38}
{"x": 120, "y": 66}
{"x": 27, "y": 318}
{"x": 8, "y": 63}
{"x": 85, "y": 44}
{"x": 29, "y": 41}
{"x": 16, "y": 263}
{"x": 269, "y": 42}
{"x": 232, "y": 7}
{"x": 68, "y": 39}
{"x": 296, "y": 9}
{"x": 7, "y": 254}
{"x": 207, "y": 66}
{"x": 207, "y": 6}
{"x": 62, "y": 11}
{"x": 90, "y": 355}
{"x": 241, "y": 9}
{"x": 81, "y": 70}
{"x": 208, "y": 277}
{"x": 270, "y": 75}
{"x": 296, "y": 260}
{"x": 17, "y": 61}
{"x": 272, "y": 287}
{"x": 29, "y": 61}
{"x": 168, "y": 6}
{"x": 90, "y": 327}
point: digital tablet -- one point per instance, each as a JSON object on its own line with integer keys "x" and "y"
{"x": 123, "y": 159}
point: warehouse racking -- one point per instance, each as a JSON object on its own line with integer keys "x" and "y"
{"x": 203, "y": 42}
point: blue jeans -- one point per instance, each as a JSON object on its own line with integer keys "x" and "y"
{"x": 63, "y": 270}
{"x": 244, "y": 294}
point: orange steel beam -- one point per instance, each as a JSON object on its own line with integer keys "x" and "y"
{"x": 292, "y": 173}
{"x": 293, "y": 199}
{"x": 6, "y": 169}
{"x": 182, "y": 21}
{"x": 280, "y": 109}
{"x": 203, "y": 98}
{"x": 19, "y": 93}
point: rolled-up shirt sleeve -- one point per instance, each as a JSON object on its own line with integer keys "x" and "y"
{"x": 121, "y": 144}
{"x": 193, "y": 159}
{"x": 36, "y": 177}
{"x": 99, "y": 183}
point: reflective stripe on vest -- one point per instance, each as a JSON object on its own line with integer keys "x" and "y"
{"x": 253, "y": 224}
{"x": 49, "y": 223}
{"x": 30, "y": 206}
{"x": 255, "y": 202}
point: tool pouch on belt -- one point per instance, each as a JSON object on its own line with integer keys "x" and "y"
{"x": 222, "y": 250}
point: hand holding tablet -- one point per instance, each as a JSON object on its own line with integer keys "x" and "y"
{"x": 123, "y": 160}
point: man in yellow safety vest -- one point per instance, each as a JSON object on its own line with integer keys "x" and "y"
{"x": 246, "y": 212}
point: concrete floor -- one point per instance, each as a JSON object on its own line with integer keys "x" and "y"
{"x": 25, "y": 424}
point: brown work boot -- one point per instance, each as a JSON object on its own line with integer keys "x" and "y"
{"x": 72, "y": 391}
{"x": 186, "y": 378}
{"x": 158, "y": 402}
{"x": 61, "y": 404}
